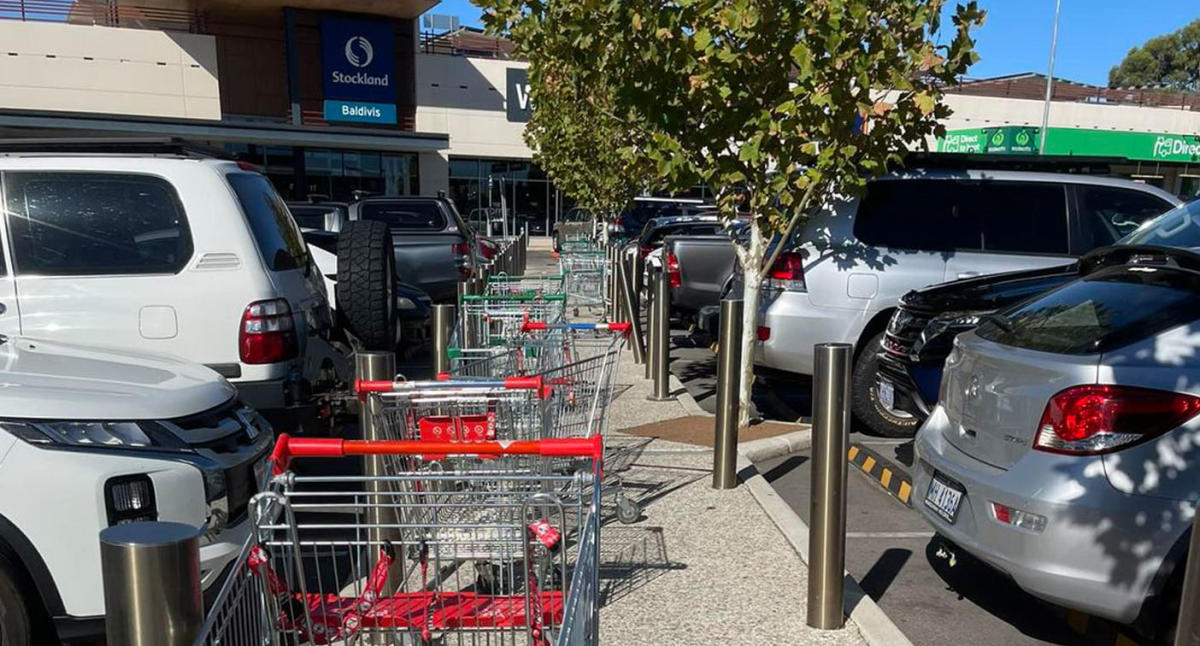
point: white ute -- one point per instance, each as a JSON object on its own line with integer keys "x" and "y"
{"x": 91, "y": 438}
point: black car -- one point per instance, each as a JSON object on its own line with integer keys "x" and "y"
{"x": 919, "y": 335}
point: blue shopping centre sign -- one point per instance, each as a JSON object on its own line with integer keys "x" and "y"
{"x": 358, "y": 67}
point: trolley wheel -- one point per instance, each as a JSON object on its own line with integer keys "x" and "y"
{"x": 628, "y": 511}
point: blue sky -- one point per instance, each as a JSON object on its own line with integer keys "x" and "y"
{"x": 1094, "y": 35}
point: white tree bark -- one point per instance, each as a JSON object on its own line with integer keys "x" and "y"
{"x": 751, "y": 258}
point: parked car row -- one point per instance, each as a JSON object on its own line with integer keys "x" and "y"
{"x": 1051, "y": 386}
{"x": 161, "y": 311}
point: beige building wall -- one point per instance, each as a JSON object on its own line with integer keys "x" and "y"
{"x": 465, "y": 98}
{"x": 85, "y": 68}
{"x": 983, "y": 111}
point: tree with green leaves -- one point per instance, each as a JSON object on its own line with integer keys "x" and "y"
{"x": 778, "y": 106}
{"x": 1169, "y": 61}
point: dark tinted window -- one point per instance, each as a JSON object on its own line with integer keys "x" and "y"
{"x": 311, "y": 216}
{"x": 915, "y": 214}
{"x": 946, "y": 215}
{"x": 1020, "y": 217}
{"x": 326, "y": 240}
{"x": 413, "y": 216}
{"x": 276, "y": 233}
{"x": 1179, "y": 227}
{"x": 80, "y": 224}
{"x": 1105, "y": 310}
{"x": 1107, "y": 214}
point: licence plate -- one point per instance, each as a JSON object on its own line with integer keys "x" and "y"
{"x": 944, "y": 497}
{"x": 886, "y": 393}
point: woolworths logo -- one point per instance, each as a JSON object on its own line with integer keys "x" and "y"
{"x": 1168, "y": 146}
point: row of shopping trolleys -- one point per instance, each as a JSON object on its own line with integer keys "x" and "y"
{"x": 484, "y": 527}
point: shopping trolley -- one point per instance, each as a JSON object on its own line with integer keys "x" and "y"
{"x": 495, "y": 319}
{"x": 585, "y": 271}
{"x": 499, "y": 550}
{"x": 526, "y": 284}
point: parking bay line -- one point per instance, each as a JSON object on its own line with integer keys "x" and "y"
{"x": 890, "y": 534}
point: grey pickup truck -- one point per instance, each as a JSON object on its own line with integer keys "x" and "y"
{"x": 433, "y": 247}
{"x": 699, "y": 269}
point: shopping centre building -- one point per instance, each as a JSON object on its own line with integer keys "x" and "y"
{"x": 331, "y": 98}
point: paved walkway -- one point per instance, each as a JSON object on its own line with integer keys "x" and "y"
{"x": 702, "y": 566}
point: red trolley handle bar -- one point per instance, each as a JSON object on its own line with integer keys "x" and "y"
{"x": 287, "y": 448}
{"x": 620, "y": 326}
{"x": 363, "y": 386}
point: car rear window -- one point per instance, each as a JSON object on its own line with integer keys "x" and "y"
{"x": 409, "y": 216}
{"x": 87, "y": 224}
{"x": 275, "y": 231}
{"x": 311, "y": 217}
{"x": 1102, "y": 311}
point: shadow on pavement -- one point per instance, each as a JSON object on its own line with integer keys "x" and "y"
{"x": 631, "y": 557}
{"x": 783, "y": 468}
{"x": 877, "y": 580}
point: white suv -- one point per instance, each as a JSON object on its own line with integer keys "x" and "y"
{"x": 174, "y": 254}
{"x": 853, "y": 261}
{"x": 91, "y": 438}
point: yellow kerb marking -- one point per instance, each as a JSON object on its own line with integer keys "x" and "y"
{"x": 868, "y": 464}
{"x": 1077, "y": 621}
{"x": 905, "y": 491}
{"x": 853, "y": 452}
{"x": 886, "y": 478}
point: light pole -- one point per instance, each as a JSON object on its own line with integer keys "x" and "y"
{"x": 1049, "y": 80}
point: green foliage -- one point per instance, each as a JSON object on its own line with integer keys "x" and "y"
{"x": 756, "y": 98}
{"x": 1171, "y": 61}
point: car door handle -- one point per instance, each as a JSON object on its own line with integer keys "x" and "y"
{"x": 967, "y": 274}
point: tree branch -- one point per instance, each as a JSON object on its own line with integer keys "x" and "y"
{"x": 787, "y": 232}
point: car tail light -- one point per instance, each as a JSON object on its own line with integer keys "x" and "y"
{"x": 1018, "y": 518}
{"x": 674, "y": 277}
{"x": 268, "y": 333}
{"x": 484, "y": 250}
{"x": 1096, "y": 419}
{"x": 788, "y": 266}
{"x": 764, "y": 333}
{"x": 461, "y": 248}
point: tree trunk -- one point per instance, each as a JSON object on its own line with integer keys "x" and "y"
{"x": 751, "y": 261}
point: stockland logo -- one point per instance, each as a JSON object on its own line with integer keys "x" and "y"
{"x": 359, "y": 52}
{"x": 1167, "y": 146}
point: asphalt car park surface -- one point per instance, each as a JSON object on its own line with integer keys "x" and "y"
{"x": 935, "y": 593}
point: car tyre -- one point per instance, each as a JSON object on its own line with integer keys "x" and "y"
{"x": 366, "y": 283}
{"x": 16, "y": 625}
{"x": 865, "y": 399}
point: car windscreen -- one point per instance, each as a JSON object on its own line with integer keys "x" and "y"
{"x": 409, "y": 216}
{"x": 275, "y": 231}
{"x": 1179, "y": 227}
{"x": 1108, "y": 309}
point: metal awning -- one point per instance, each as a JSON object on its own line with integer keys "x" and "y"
{"x": 28, "y": 123}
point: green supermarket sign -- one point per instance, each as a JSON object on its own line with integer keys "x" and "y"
{"x": 1142, "y": 146}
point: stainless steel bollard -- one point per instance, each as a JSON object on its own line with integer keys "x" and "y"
{"x": 1187, "y": 629}
{"x": 827, "y": 519}
{"x": 151, "y": 574}
{"x": 630, "y": 311}
{"x": 443, "y": 326}
{"x": 729, "y": 366}
{"x": 651, "y": 329}
{"x": 376, "y": 366}
{"x": 662, "y": 339}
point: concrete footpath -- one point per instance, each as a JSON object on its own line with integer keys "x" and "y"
{"x": 701, "y": 566}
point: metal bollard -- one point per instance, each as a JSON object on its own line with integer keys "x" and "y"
{"x": 376, "y": 366}
{"x": 443, "y": 326}
{"x": 464, "y": 288}
{"x": 651, "y": 329}
{"x": 151, "y": 574}
{"x": 630, "y": 311}
{"x": 827, "y": 528}
{"x": 729, "y": 366}
{"x": 1187, "y": 629}
{"x": 662, "y": 339}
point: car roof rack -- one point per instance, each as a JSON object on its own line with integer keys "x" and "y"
{"x": 998, "y": 161}
{"x": 136, "y": 146}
